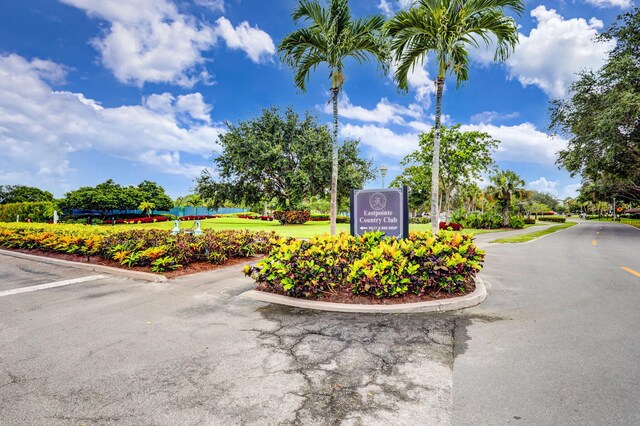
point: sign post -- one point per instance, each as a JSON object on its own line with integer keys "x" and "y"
{"x": 385, "y": 210}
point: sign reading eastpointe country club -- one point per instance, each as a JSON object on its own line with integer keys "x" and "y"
{"x": 383, "y": 210}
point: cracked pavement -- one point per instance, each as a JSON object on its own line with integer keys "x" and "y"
{"x": 191, "y": 351}
{"x": 556, "y": 342}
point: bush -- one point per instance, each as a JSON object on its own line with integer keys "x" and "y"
{"x": 343, "y": 219}
{"x": 486, "y": 220}
{"x": 370, "y": 264}
{"x": 516, "y": 222}
{"x": 529, "y": 220}
{"x": 453, "y": 226}
{"x": 145, "y": 219}
{"x": 37, "y": 212}
{"x": 248, "y": 216}
{"x": 137, "y": 247}
{"x": 419, "y": 220}
{"x": 199, "y": 217}
{"x": 319, "y": 217}
{"x": 297, "y": 217}
{"x": 558, "y": 219}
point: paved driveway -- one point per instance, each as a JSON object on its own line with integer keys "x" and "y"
{"x": 556, "y": 342}
{"x": 192, "y": 352}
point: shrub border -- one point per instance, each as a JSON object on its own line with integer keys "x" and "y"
{"x": 451, "y": 304}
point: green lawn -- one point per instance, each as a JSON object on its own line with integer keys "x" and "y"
{"x": 523, "y": 238}
{"x": 307, "y": 230}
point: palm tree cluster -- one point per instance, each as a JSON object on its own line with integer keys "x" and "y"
{"x": 445, "y": 29}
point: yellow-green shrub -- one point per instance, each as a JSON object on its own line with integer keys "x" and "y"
{"x": 370, "y": 264}
{"x": 136, "y": 247}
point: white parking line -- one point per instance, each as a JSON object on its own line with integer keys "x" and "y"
{"x": 51, "y": 285}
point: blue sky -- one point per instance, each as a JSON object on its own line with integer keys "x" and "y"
{"x": 140, "y": 89}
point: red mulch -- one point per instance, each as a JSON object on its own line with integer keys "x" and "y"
{"x": 344, "y": 295}
{"x": 192, "y": 268}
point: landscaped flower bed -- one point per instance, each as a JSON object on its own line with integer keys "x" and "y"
{"x": 200, "y": 217}
{"x": 148, "y": 219}
{"x": 292, "y": 216}
{"x": 155, "y": 249}
{"x": 370, "y": 265}
{"x": 452, "y": 226}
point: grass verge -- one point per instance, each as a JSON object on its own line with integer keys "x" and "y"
{"x": 308, "y": 230}
{"x": 523, "y": 238}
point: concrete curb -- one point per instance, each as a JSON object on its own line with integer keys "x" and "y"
{"x": 466, "y": 301}
{"x": 146, "y": 276}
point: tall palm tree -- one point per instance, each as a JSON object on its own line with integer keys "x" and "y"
{"x": 330, "y": 38}
{"x": 505, "y": 185}
{"x": 447, "y": 28}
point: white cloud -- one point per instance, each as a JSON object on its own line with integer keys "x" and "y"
{"x": 544, "y": 185}
{"x": 382, "y": 139}
{"x": 553, "y": 52}
{"x": 151, "y": 41}
{"x": 570, "y": 191}
{"x": 522, "y": 142}
{"x": 383, "y": 113}
{"x": 215, "y": 5}
{"x": 386, "y": 7}
{"x": 40, "y": 127}
{"x": 553, "y": 187}
{"x": 487, "y": 117}
{"x": 255, "y": 42}
{"x": 389, "y": 7}
{"x": 419, "y": 82}
{"x": 622, "y": 4}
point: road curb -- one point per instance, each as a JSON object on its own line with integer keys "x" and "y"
{"x": 146, "y": 276}
{"x": 466, "y": 301}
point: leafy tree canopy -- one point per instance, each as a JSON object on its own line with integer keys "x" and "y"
{"x": 465, "y": 156}
{"x": 282, "y": 156}
{"x": 544, "y": 198}
{"x": 109, "y": 196}
{"x": 153, "y": 193}
{"x": 23, "y": 194}
{"x": 602, "y": 117}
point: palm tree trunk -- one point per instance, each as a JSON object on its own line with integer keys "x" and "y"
{"x": 505, "y": 211}
{"x": 435, "y": 165}
{"x": 334, "y": 164}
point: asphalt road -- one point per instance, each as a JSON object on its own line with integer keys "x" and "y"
{"x": 564, "y": 345}
{"x": 556, "y": 342}
{"x": 190, "y": 351}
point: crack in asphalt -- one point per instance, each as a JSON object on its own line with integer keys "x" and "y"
{"x": 355, "y": 365}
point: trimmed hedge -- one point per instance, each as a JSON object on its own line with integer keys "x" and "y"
{"x": 343, "y": 219}
{"x": 294, "y": 217}
{"x": 370, "y": 264}
{"x": 529, "y": 220}
{"x": 558, "y": 219}
{"x": 154, "y": 248}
